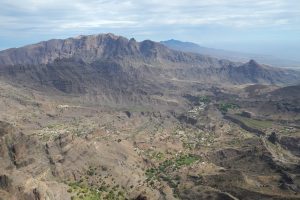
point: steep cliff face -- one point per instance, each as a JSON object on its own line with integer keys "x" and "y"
{"x": 91, "y": 48}
{"x": 88, "y": 49}
{"x": 85, "y": 47}
{"x": 109, "y": 63}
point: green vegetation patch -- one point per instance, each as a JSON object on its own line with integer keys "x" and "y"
{"x": 171, "y": 165}
{"x": 204, "y": 99}
{"x": 166, "y": 171}
{"x": 197, "y": 100}
{"x": 82, "y": 191}
{"x": 224, "y": 107}
{"x": 185, "y": 160}
{"x": 254, "y": 123}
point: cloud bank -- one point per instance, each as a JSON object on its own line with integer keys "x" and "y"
{"x": 59, "y": 15}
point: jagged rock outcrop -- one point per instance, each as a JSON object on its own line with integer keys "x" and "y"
{"x": 94, "y": 47}
{"x": 107, "y": 63}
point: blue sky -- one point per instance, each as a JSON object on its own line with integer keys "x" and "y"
{"x": 255, "y": 26}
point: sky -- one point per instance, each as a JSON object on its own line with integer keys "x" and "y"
{"x": 269, "y": 27}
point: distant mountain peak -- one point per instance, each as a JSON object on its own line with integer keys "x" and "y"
{"x": 252, "y": 62}
{"x": 112, "y": 35}
{"x": 176, "y": 44}
{"x": 101, "y": 35}
{"x": 229, "y": 55}
{"x": 110, "y": 56}
{"x": 86, "y": 47}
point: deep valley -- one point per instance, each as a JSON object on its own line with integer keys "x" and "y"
{"x": 106, "y": 117}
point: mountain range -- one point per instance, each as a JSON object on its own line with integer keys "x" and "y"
{"x": 231, "y": 55}
{"x": 107, "y": 61}
{"x": 105, "y": 117}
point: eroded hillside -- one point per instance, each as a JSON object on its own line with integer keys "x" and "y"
{"x": 116, "y": 119}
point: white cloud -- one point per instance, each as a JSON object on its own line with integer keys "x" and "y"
{"x": 72, "y": 14}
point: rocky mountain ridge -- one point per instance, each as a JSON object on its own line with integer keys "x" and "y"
{"x": 104, "y": 117}
{"x": 91, "y": 48}
{"x": 107, "y": 63}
